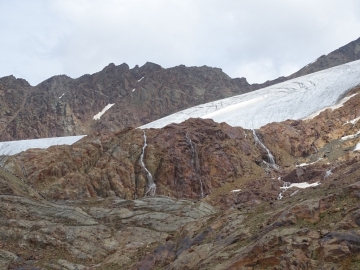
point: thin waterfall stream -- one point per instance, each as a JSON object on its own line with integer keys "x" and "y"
{"x": 150, "y": 182}
{"x": 270, "y": 156}
{"x": 193, "y": 165}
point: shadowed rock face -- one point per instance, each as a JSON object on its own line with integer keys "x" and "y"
{"x": 62, "y": 106}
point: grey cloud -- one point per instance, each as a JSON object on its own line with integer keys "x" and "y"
{"x": 256, "y": 39}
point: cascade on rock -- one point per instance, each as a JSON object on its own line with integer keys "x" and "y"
{"x": 150, "y": 182}
{"x": 270, "y": 156}
{"x": 193, "y": 164}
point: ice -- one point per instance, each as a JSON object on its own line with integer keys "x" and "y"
{"x": 354, "y": 121}
{"x": 357, "y": 147}
{"x": 294, "y": 99}
{"x": 301, "y": 185}
{"x": 287, "y": 185}
{"x": 307, "y": 164}
{"x": 348, "y": 137}
{"x": 97, "y": 116}
{"x": 15, "y": 147}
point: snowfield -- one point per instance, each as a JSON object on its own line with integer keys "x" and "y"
{"x": 294, "y": 99}
{"x": 15, "y": 147}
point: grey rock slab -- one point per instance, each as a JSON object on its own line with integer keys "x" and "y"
{"x": 44, "y": 209}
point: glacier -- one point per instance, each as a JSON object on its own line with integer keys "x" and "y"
{"x": 15, "y": 147}
{"x": 294, "y": 99}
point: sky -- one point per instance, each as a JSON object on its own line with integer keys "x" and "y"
{"x": 256, "y": 39}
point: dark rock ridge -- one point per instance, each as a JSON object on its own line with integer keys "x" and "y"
{"x": 62, "y": 106}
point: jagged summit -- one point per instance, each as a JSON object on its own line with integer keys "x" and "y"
{"x": 62, "y": 106}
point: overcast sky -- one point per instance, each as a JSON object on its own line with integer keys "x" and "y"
{"x": 256, "y": 39}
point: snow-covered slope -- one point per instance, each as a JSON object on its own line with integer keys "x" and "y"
{"x": 15, "y": 147}
{"x": 293, "y": 99}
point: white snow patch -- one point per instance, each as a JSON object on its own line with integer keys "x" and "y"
{"x": 307, "y": 164}
{"x": 97, "y": 116}
{"x": 328, "y": 173}
{"x": 133, "y": 90}
{"x": 235, "y": 190}
{"x": 348, "y": 137}
{"x": 357, "y": 147}
{"x": 354, "y": 121}
{"x": 301, "y": 185}
{"x": 15, "y": 147}
{"x": 294, "y": 99}
{"x": 141, "y": 79}
{"x": 61, "y": 95}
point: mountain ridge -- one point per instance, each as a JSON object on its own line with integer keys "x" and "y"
{"x": 62, "y": 106}
{"x": 194, "y": 195}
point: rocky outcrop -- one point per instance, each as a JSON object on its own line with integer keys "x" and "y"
{"x": 187, "y": 160}
{"x": 63, "y": 106}
{"x": 217, "y": 203}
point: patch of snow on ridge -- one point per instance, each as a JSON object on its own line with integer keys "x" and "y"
{"x": 354, "y": 121}
{"x": 61, "y": 96}
{"x": 357, "y": 147}
{"x": 301, "y": 185}
{"x": 294, "y": 99}
{"x": 15, "y": 147}
{"x": 348, "y": 137}
{"x": 307, "y": 164}
{"x": 97, "y": 116}
{"x": 141, "y": 79}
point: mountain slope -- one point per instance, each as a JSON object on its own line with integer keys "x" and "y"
{"x": 78, "y": 206}
{"x": 293, "y": 99}
{"x": 61, "y": 106}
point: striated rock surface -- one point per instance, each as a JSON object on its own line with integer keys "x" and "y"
{"x": 220, "y": 202}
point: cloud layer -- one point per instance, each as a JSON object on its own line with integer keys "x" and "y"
{"x": 259, "y": 40}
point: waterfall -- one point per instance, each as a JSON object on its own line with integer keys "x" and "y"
{"x": 150, "y": 182}
{"x": 193, "y": 156}
{"x": 270, "y": 156}
{"x": 285, "y": 187}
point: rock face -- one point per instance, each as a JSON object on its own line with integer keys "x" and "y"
{"x": 219, "y": 201}
{"x": 188, "y": 160}
{"x": 62, "y": 106}
{"x": 219, "y": 204}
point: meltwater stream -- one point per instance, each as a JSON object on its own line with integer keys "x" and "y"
{"x": 270, "y": 156}
{"x": 150, "y": 182}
